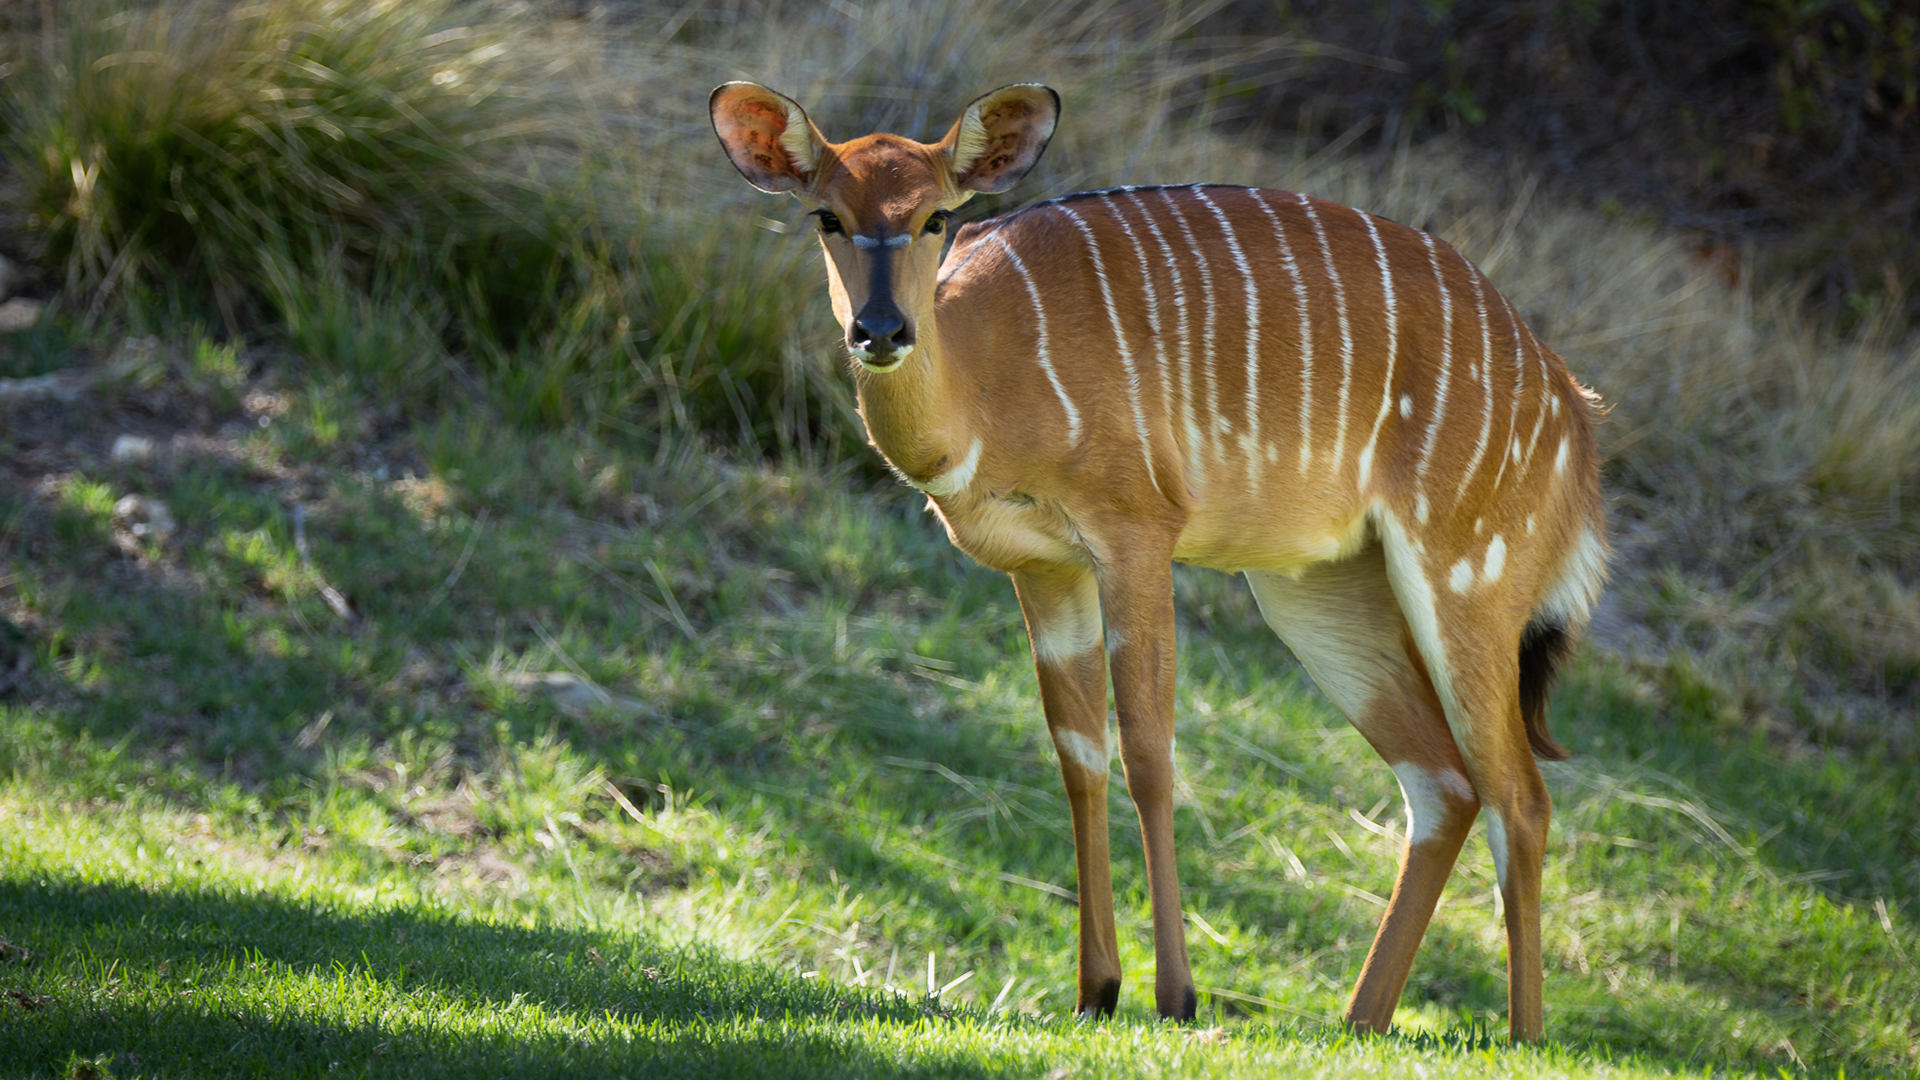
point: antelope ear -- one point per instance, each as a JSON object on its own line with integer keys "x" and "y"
{"x": 767, "y": 136}
{"x": 1001, "y": 136}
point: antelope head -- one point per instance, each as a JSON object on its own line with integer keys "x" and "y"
{"x": 882, "y": 202}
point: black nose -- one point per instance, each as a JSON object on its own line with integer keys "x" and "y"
{"x": 880, "y": 332}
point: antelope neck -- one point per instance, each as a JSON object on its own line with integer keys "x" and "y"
{"x": 911, "y": 412}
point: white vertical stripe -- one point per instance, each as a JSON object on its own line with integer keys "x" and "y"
{"x": 1519, "y": 388}
{"x": 1393, "y": 346}
{"x": 1119, "y": 341}
{"x": 1153, "y": 309}
{"x": 1306, "y": 333}
{"x": 1486, "y": 380}
{"x": 1446, "y": 377}
{"x": 1250, "y": 442}
{"x": 1195, "y": 462}
{"x": 1346, "y": 334}
{"x": 1040, "y": 347}
{"x": 1209, "y": 323}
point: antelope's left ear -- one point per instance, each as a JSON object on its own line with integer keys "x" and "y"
{"x": 767, "y": 136}
{"x": 1001, "y": 136}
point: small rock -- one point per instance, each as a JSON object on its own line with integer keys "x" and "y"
{"x": 576, "y": 696}
{"x": 20, "y": 313}
{"x": 144, "y": 517}
{"x": 132, "y": 448}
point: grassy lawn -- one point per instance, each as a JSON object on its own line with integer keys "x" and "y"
{"x": 601, "y": 762}
{"x": 449, "y": 624}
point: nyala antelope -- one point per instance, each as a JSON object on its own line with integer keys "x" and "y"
{"x": 1339, "y": 407}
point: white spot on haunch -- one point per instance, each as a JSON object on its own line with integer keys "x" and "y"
{"x": 1093, "y": 756}
{"x": 1496, "y": 559}
{"x": 1461, "y": 576}
{"x": 1420, "y": 508}
{"x": 1560, "y": 458}
{"x": 1406, "y": 406}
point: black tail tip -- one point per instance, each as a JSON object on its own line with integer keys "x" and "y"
{"x": 1544, "y": 646}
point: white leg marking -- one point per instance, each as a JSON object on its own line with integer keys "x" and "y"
{"x": 1071, "y": 628}
{"x": 1250, "y": 441}
{"x": 1346, "y": 332}
{"x": 1393, "y": 346}
{"x": 1446, "y": 377}
{"x": 956, "y": 479}
{"x": 1496, "y": 559}
{"x": 1120, "y": 342}
{"x": 1497, "y": 841}
{"x": 1040, "y": 329}
{"x": 1461, "y": 577}
{"x": 1094, "y": 757}
{"x": 1306, "y": 332}
{"x": 1426, "y": 798}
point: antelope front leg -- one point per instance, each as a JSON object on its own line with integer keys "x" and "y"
{"x": 1138, "y": 599}
{"x": 1063, "y": 621}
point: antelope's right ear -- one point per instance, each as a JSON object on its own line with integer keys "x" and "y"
{"x": 767, "y": 136}
{"x": 1001, "y": 136}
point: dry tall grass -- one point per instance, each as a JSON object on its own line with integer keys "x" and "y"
{"x": 1764, "y": 473}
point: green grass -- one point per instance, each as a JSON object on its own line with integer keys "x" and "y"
{"x": 474, "y": 684}
{"x": 243, "y": 833}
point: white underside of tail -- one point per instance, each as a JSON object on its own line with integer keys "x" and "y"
{"x": 1577, "y": 589}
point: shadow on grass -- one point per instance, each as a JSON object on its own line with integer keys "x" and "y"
{"x": 211, "y": 983}
{"x": 203, "y": 688}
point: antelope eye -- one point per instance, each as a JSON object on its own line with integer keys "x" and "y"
{"x": 937, "y": 224}
{"x": 829, "y": 222}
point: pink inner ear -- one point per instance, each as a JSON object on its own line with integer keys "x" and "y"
{"x": 1013, "y": 144}
{"x": 754, "y": 127}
